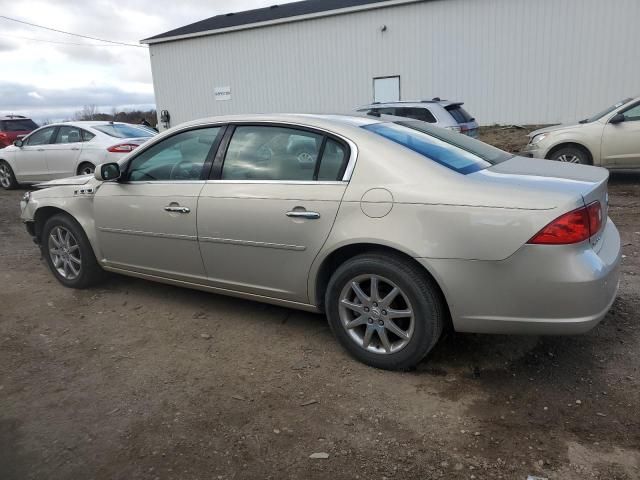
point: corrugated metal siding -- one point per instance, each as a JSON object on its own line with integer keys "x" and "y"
{"x": 510, "y": 61}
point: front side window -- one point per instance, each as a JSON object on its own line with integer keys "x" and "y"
{"x": 68, "y": 135}
{"x": 180, "y": 157}
{"x": 633, "y": 114}
{"x": 273, "y": 153}
{"x": 40, "y": 137}
{"x": 452, "y": 150}
{"x": 421, "y": 114}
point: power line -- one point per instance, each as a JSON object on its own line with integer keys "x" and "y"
{"x": 69, "y": 33}
{"x": 61, "y": 43}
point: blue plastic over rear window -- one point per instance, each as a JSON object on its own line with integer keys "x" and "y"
{"x": 433, "y": 148}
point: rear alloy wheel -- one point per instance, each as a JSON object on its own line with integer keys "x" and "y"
{"x": 86, "y": 169}
{"x": 68, "y": 253}
{"x": 7, "y": 178}
{"x": 384, "y": 310}
{"x": 571, "y": 155}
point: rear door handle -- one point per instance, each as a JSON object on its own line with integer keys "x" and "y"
{"x": 303, "y": 214}
{"x": 75, "y": 148}
{"x": 41, "y": 149}
{"x": 174, "y": 209}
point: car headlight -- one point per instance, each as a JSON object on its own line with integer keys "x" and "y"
{"x": 538, "y": 138}
{"x": 26, "y": 197}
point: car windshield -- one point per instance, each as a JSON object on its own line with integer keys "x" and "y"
{"x": 18, "y": 125}
{"x": 601, "y": 114}
{"x": 123, "y": 130}
{"x": 453, "y": 150}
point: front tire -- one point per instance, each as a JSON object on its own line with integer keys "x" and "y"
{"x": 68, "y": 253}
{"x": 385, "y": 311}
{"x": 7, "y": 178}
{"x": 571, "y": 155}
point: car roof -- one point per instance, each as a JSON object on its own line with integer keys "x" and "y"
{"x": 13, "y": 117}
{"x": 87, "y": 123}
{"x": 419, "y": 103}
{"x": 319, "y": 120}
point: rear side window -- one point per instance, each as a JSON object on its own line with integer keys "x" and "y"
{"x": 452, "y": 150}
{"x": 422, "y": 114}
{"x": 123, "y": 130}
{"x": 459, "y": 114}
{"x": 68, "y": 135}
{"x": 18, "y": 125}
{"x": 86, "y": 136}
{"x": 258, "y": 152}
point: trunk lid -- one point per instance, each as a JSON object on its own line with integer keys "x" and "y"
{"x": 589, "y": 183}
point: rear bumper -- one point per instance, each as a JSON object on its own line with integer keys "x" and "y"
{"x": 540, "y": 290}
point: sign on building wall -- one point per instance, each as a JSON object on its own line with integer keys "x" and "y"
{"x": 222, "y": 93}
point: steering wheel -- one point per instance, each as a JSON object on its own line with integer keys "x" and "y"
{"x": 184, "y": 170}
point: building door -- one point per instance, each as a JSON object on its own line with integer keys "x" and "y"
{"x": 386, "y": 89}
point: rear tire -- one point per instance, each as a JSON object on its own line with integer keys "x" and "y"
{"x": 86, "y": 168}
{"x": 383, "y": 330}
{"x": 571, "y": 155}
{"x": 7, "y": 178}
{"x": 68, "y": 253}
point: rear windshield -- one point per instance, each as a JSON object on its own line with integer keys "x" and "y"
{"x": 121, "y": 130}
{"x": 453, "y": 150}
{"x": 18, "y": 125}
{"x": 459, "y": 114}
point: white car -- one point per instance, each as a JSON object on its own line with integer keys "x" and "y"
{"x": 608, "y": 139}
{"x": 67, "y": 149}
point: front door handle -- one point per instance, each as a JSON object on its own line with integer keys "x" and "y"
{"x": 303, "y": 214}
{"x": 175, "y": 209}
{"x": 41, "y": 149}
{"x": 75, "y": 148}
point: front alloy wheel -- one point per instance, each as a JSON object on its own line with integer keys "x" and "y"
{"x": 7, "y": 178}
{"x": 64, "y": 251}
{"x": 68, "y": 252}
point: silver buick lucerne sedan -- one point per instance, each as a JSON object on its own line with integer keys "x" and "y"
{"x": 393, "y": 228}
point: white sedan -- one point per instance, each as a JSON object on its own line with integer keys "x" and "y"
{"x": 67, "y": 149}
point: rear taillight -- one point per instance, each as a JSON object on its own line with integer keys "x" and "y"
{"x": 573, "y": 227}
{"x": 123, "y": 148}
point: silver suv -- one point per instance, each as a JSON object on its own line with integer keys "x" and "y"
{"x": 442, "y": 113}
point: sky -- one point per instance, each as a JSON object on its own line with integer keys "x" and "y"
{"x": 51, "y": 81}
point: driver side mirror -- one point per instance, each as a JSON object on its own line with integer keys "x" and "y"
{"x": 108, "y": 171}
{"x": 617, "y": 118}
{"x": 18, "y": 143}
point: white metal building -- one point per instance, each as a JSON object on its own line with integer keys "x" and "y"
{"x": 510, "y": 61}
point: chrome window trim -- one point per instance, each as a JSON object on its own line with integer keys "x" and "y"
{"x": 164, "y": 182}
{"x": 280, "y": 182}
{"x": 351, "y": 164}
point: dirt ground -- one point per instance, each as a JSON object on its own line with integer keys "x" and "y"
{"x": 141, "y": 380}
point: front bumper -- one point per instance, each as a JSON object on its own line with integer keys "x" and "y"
{"x": 534, "y": 150}
{"x": 541, "y": 289}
